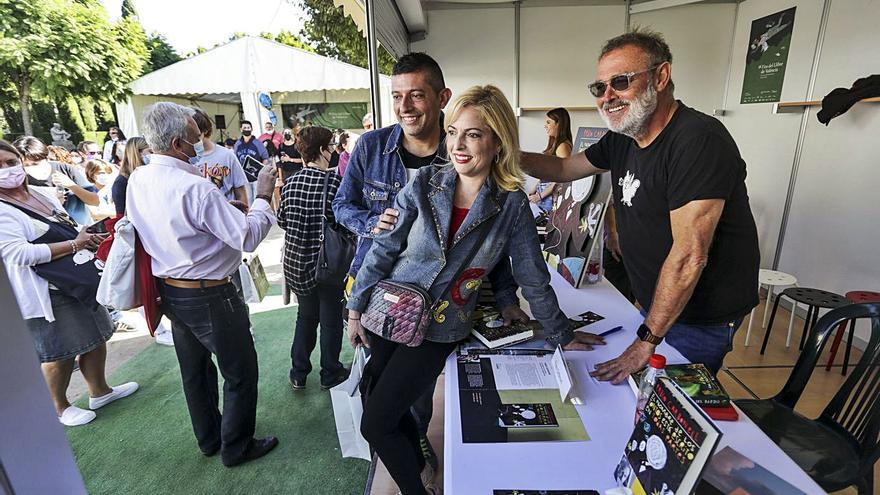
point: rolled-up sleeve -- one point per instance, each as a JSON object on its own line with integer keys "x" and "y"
{"x": 230, "y": 225}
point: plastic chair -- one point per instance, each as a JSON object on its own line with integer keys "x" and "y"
{"x": 772, "y": 278}
{"x": 814, "y": 299}
{"x": 856, "y": 296}
{"x": 840, "y": 447}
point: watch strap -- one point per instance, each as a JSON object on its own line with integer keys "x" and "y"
{"x": 646, "y": 335}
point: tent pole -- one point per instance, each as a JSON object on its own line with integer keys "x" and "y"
{"x": 373, "y": 59}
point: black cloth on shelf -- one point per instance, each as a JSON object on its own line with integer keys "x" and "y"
{"x": 838, "y": 101}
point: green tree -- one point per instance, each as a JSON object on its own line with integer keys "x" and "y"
{"x": 333, "y": 34}
{"x": 289, "y": 39}
{"x": 162, "y": 54}
{"x": 59, "y": 48}
{"x": 128, "y": 9}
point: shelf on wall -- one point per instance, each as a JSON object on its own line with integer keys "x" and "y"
{"x": 799, "y": 106}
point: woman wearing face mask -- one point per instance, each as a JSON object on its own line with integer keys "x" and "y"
{"x": 42, "y": 249}
{"x": 54, "y": 177}
{"x": 559, "y": 143}
{"x": 302, "y": 206}
{"x": 454, "y": 225}
{"x": 291, "y": 161}
{"x": 100, "y": 174}
{"x": 137, "y": 153}
{"x": 114, "y": 135}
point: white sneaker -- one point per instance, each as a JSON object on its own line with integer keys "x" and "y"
{"x": 119, "y": 392}
{"x": 165, "y": 337}
{"x": 74, "y": 416}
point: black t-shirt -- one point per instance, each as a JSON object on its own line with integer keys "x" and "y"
{"x": 413, "y": 161}
{"x": 693, "y": 158}
{"x": 289, "y": 168}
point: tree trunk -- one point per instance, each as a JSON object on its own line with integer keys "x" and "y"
{"x": 24, "y": 88}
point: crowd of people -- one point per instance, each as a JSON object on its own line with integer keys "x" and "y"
{"x": 435, "y": 200}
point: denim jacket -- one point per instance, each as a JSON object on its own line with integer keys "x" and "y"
{"x": 372, "y": 180}
{"x": 416, "y": 252}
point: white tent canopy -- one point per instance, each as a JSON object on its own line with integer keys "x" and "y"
{"x": 242, "y": 69}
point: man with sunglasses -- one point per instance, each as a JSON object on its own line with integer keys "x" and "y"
{"x": 688, "y": 238}
{"x": 88, "y": 150}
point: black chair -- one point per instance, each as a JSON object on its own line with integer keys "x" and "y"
{"x": 814, "y": 299}
{"x": 839, "y": 448}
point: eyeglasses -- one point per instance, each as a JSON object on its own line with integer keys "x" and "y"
{"x": 620, "y": 82}
{"x": 92, "y": 153}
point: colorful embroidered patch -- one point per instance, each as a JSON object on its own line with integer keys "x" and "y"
{"x": 439, "y": 317}
{"x": 471, "y": 278}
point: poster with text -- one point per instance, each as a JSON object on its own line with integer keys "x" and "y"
{"x": 329, "y": 115}
{"x": 767, "y": 56}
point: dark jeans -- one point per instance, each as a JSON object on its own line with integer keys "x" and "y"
{"x": 215, "y": 321}
{"x": 399, "y": 375}
{"x": 707, "y": 344}
{"x": 323, "y": 306}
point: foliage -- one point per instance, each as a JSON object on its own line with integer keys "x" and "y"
{"x": 334, "y": 34}
{"x": 289, "y": 39}
{"x": 128, "y": 9}
{"x": 55, "y": 48}
{"x": 162, "y": 54}
{"x": 71, "y": 119}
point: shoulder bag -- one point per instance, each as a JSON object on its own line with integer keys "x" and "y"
{"x": 337, "y": 248}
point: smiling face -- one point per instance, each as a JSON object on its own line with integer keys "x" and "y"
{"x": 551, "y": 126}
{"x": 417, "y": 104}
{"x": 471, "y": 144}
{"x": 628, "y": 111}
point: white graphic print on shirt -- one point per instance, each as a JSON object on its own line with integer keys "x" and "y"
{"x": 630, "y": 184}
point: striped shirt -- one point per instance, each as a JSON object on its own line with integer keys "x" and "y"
{"x": 300, "y": 217}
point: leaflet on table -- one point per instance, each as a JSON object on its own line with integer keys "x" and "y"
{"x": 564, "y": 377}
{"x": 513, "y": 398}
{"x": 670, "y": 445}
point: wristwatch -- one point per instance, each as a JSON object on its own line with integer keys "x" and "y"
{"x": 645, "y": 335}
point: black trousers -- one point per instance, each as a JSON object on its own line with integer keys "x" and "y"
{"x": 324, "y": 305}
{"x": 399, "y": 375}
{"x": 215, "y": 321}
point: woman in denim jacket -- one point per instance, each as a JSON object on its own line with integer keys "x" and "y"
{"x": 443, "y": 213}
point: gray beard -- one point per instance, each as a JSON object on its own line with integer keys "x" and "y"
{"x": 635, "y": 123}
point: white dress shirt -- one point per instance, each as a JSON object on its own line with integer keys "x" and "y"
{"x": 17, "y": 232}
{"x": 186, "y": 224}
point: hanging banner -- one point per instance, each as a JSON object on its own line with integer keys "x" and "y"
{"x": 767, "y": 56}
{"x": 329, "y": 115}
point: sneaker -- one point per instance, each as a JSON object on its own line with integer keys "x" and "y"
{"x": 165, "y": 337}
{"x": 341, "y": 377}
{"x": 119, "y": 392}
{"x": 74, "y": 416}
{"x": 298, "y": 384}
{"x": 122, "y": 326}
{"x": 428, "y": 453}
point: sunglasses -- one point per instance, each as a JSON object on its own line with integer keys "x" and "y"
{"x": 620, "y": 82}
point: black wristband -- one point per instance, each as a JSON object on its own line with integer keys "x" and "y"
{"x": 646, "y": 335}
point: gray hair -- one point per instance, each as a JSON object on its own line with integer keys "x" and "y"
{"x": 164, "y": 121}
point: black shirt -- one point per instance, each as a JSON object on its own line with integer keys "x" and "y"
{"x": 413, "y": 161}
{"x": 693, "y": 158}
{"x": 289, "y": 168}
{"x": 120, "y": 186}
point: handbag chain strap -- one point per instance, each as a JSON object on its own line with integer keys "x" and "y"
{"x": 324, "y": 205}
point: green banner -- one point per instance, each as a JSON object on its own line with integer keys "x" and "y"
{"x": 770, "y": 39}
{"x": 329, "y": 115}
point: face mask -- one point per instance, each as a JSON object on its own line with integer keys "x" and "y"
{"x": 288, "y": 137}
{"x": 102, "y": 179}
{"x": 245, "y": 133}
{"x": 198, "y": 148}
{"x": 146, "y": 159}
{"x": 12, "y": 177}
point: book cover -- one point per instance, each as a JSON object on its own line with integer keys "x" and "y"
{"x": 545, "y": 492}
{"x": 527, "y": 416}
{"x": 490, "y": 330}
{"x": 584, "y": 319}
{"x": 696, "y": 380}
{"x": 670, "y": 445}
{"x": 732, "y": 473}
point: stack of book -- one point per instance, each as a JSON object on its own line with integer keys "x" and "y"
{"x": 698, "y": 382}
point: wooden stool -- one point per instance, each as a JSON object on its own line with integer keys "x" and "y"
{"x": 815, "y": 299}
{"x": 772, "y": 278}
{"x": 856, "y": 296}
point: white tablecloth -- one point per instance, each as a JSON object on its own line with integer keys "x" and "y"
{"x": 477, "y": 469}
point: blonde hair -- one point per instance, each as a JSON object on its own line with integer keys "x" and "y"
{"x": 132, "y": 158}
{"x": 493, "y": 107}
{"x": 95, "y": 167}
{"x": 59, "y": 154}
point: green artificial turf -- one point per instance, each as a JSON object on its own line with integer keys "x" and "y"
{"x": 144, "y": 443}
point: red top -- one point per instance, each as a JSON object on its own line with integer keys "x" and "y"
{"x": 458, "y": 216}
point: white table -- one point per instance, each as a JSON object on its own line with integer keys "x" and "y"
{"x": 477, "y": 469}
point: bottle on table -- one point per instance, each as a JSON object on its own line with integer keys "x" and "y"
{"x": 655, "y": 369}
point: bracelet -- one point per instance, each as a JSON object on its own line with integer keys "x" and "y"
{"x": 73, "y": 246}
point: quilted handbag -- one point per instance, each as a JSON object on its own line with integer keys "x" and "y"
{"x": 401, "y": 312}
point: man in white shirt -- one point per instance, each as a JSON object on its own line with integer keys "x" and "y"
{"x": 195, "y": 238}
